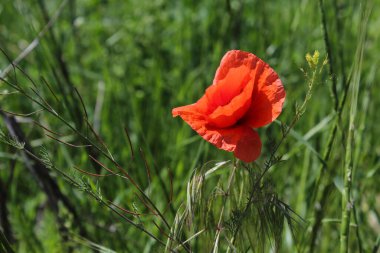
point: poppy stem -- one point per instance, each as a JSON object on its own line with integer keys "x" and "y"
{"x": 219, "y": 226}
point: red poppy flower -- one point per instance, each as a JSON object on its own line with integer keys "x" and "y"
{"x": 246, "y": 93}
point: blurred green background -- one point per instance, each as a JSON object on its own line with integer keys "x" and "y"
{"x": 132, "y": 62}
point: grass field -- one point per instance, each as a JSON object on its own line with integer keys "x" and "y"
{"x": 91, "y": 159}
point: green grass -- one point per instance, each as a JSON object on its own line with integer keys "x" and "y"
{"x": 117, "y": 68}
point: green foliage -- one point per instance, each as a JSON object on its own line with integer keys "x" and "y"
{"x": 11, "y": 141}
{"x": 92, "y": 87}
{"x": 226, "y": 209}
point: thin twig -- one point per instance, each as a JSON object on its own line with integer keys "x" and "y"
{"x": 129, "y": 142}
{"x": 46, "y": 129}
{"x": 100, "y": 200}
{"x": 92, "y": 174}
{"x": 22, "y": 114}
{"x": 66, "y": 143}
{"x": 35, "y": 42}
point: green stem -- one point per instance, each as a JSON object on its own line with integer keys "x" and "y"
{"x": 347, "y": 203}
{"x": 324, "y": 185}
{"x": 219, "y": 227}
{"x": 328, "y": 47}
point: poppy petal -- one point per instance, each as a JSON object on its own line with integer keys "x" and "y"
{"x": 229, "y": 114}
{"x": 192, "y": 117}
{"x": 187, "y": 109}
{"x": 234, "y": 59}
{"x": 221, "y": 93}
{"x": 242, "y": 140}
{"x": 246, "y": 93}
{"x": 267, "y": 99}
{"x": 224, "y": 115}
{"x": 248, "y": 148}
{"x": 268, "y": 95}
